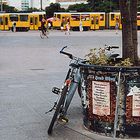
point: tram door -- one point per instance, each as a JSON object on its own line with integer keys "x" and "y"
{"x": 4, "y": 22}
{"x": 113, "y": 19}
{"x": 6, "y": 25}
{"x": 34, "y": 22}
{"x": 1, "y": 22}
{"x": 94, "y": 22}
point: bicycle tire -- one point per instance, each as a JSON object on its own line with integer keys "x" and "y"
{"x": 57, "y": 111}
{"x": 79, "y": 89}
{"x": 42, "y": 35}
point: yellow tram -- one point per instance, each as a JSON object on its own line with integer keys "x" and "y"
{"x": 90, "y": 20}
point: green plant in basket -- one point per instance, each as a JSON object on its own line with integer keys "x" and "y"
{"x": 100, "y": 57}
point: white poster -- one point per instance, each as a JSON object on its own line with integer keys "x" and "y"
{"x": 136, "y": 101}
{"x": 101, "y": 98}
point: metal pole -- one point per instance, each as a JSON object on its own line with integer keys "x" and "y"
{"x": 31, "y": 3}
{"x": 1, "y": 6}
{"x": 41, "y": 4}
{"x": 110, "y": 5}
{"x": 117, "y": 103}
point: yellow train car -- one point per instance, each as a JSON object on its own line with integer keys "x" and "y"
{"x": 21, "y": 20}
{"x": 35, "y": 20}
{"x": 4, "y": 21}
{"x": 75, "y": 21}
{"x": 113, "y": 18}
{"x": 89, "y": 20}
{"x": 60, "y": 18}
{"x": 85, "y": 19}
{"x": 97, "y": 20}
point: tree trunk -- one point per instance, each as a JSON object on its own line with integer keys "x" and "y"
{"x": 133, "y": 15}
{"x": 127, "y": 42}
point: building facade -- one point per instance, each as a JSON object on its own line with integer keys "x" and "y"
{"x": 66, "y": 3}
{"x": 4, "y": 1}
{"x": 24, "y": 5}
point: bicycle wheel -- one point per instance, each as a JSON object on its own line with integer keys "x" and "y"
{"x": 47, "y": 34}
{"x": 79, "y": 89}
{"x": 58, "y": 108}
{"x": 42, "y": 35}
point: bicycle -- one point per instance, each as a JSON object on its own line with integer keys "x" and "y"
{"x": 73, "y": 81}
{"x": 44, "y": 33}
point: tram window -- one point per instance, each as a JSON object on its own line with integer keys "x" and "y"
{"x": 23, "y": 17}
{"x": 1, "y": 21}
{"x": 31, "y": 20}
{"x": 97, "y": 20}
{"x": 102, "y": 17}
{"x": 40, "y": 17}
{"x": 35, "y": 20}
{"x": 13, "y": 17}
{"x": 85, "y": 17}
{"x": 58, "y": 16}
{"x": 117, "y": 17}
{"x": 6, "y": 21}
{"x": 75, "y": 17}
{"x": 92, "y": 20}
{"x": 138, "y": 16}
{"x": 112, "y": 17}
{"x": 67, "y": 19}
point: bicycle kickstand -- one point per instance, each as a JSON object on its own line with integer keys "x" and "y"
{"x": 53, "y": 108}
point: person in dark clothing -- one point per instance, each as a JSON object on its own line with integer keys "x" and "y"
{"x": 43, "y": 26}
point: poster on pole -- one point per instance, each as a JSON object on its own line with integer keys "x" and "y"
{"x": 101, "y": 98}
{"x": 135, "y": 91}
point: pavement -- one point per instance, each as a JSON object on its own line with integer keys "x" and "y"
{"x": 29, "y": 68}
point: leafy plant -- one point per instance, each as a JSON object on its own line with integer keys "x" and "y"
{"x": 100, "y": 57}
{"x": 126, "y": 62}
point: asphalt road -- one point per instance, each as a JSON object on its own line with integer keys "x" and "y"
{"x": 29, "y": 68}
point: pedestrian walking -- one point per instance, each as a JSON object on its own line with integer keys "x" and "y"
{"x": 67, "y": 28}
{"x": 117, "y": 26}
{"x": 14, "y": 26}
{"x": 62, "y": 26}
{"x": 80, "y": 26}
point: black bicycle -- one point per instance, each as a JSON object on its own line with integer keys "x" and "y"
{"x": 72, "y": 82}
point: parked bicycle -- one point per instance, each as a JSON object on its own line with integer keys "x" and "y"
{"x": 72, "y": 81}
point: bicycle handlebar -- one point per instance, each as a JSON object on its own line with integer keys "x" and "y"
{"x": 68, "y": 54}
{"x": 111, "y": 47}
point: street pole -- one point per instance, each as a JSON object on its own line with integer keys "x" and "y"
{"x": 41, "y": 5}
{"x": 110, "y": 5}
{"x": 1, "y": 6}
{"x": 31, "y": 2}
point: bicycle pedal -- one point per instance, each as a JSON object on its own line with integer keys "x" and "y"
{"x": 56, "y": 90}
{"x": 63, "y": 119}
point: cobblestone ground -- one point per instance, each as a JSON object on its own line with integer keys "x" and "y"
{"x": 29, "y": 68}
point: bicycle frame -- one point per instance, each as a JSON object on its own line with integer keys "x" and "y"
{"x": 75, "y": 78}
